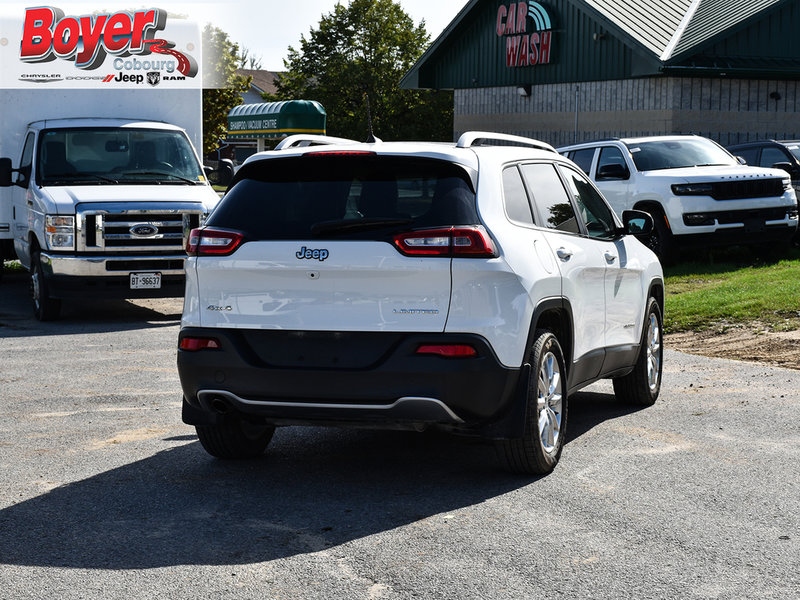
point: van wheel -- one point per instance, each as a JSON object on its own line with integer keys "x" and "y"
{"x": 642, "y": 385}
{"x": 235, "y": 438}
{"x": 538, "y": 450}
{"x": 45, "y": 308}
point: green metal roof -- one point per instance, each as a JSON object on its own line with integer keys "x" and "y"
{"x": 596, "y": 40}
{"x": 714, "y": 17}
{"x": 276, "y": 119}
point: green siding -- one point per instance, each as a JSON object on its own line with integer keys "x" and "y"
{"x": 638, "y": 38}
{"x": 473, "y": 55}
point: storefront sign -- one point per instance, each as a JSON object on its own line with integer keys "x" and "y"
{"x": 527, "y": 29}
{"x": 43, "y": 46}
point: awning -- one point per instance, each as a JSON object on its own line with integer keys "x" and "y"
{"x": 276, "y": 119}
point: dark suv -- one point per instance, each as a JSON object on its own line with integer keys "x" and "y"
{"x": 773, "y": 154}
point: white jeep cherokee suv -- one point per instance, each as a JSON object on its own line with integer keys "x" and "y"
{"x": 696, "y": 191}
{"x": 408, "y": 285}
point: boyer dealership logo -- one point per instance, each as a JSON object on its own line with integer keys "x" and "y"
{"x": 48, "y": 34}
{"x": 527, "y": 29}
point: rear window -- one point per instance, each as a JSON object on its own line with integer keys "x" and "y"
{"x": 358, "y": 197}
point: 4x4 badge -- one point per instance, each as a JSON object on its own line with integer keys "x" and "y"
{"x": 309, "y": 254}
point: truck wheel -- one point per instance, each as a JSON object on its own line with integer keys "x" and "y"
{"x": 538, "y": 450}
{"x": 660, "y": 240}
{"x": 234, "y": 438}
{"x": 45, "y": 308}
{"x": 641, "y": 386}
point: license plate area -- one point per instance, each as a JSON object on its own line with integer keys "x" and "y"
{"x": 145, "y": 281}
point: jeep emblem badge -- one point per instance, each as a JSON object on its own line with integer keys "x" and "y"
{"x": 309, "y": 254}
{"x": 144, "y": 230}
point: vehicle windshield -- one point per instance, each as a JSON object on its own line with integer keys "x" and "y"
{"x": 677, "y": 154}
{"x": 113, "y": 155}
{"x": 794, "y": 148}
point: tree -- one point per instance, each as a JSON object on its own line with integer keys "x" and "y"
{"x": 248, "y": 60}
{"x": 222, "y": 86}
{"x": 363, "y": 49}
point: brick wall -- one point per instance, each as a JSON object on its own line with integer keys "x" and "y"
{"x": 726, "y": 110}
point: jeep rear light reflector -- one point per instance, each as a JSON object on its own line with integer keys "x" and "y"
{"x": 448, "y": 350}
{"x": 195, "y": 344}
{"x": 454, "y": 242}
{"x": 213, "y": 242}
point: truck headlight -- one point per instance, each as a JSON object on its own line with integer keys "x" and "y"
{"x": 60, "y": 232}
{"x": 692, "y": 189}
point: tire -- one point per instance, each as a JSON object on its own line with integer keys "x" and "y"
{"x": 538, "y": 450}
{"x": 660, "y": 240}
{"x": 642, "y": 385}
{"x": 235, "y": 438}
{"x": 45, "y": 308}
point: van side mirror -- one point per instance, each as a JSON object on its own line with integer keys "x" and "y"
{"x": 637, "y": 222}
{"x": 223, "y": 174}
{"x": 5, "y": 172}
{"x": 613, "y": 171}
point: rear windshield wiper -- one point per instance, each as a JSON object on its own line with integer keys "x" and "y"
{"x": 350, "y": 225}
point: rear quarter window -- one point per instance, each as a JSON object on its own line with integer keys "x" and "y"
{"x": 345, "y": 197}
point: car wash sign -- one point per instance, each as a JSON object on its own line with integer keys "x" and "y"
{"x": 527, "y": 29}
{"x": 44, "y": 46}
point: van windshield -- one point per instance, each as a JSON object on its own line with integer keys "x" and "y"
{"x": 104, "y": 155}
{"x": 677, "y": 154}
{"x": 322, "y": 195}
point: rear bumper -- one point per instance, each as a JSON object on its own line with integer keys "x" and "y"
{"x": 386, "y": 385}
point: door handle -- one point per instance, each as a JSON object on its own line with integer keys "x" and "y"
{"x": 610, "y": 258}
{"x": 563, "y": 253}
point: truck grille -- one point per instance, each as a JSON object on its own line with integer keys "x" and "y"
{"x": 121, "y": 230}
{"x": 750, "y": 188}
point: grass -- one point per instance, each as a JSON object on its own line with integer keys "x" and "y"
{"x": 733, "y": 288}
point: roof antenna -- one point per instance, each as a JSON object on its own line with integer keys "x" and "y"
{"x": 371, "y": 139}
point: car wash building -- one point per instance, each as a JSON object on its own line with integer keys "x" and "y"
{"x": 566, "y": 71}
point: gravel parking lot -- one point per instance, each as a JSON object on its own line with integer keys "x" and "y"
{"x": 106, "y": 494}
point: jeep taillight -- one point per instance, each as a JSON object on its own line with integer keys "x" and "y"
{"x": 213, "y": 242}
{"x": 195, "y": 344}
{"x": 452, "y": 242}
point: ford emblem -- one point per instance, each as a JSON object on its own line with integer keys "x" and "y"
{"x": 144, "y": 230}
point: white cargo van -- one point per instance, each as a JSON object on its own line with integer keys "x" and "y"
{"x": 99, "y": 189}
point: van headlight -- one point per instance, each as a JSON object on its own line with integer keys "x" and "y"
{"x": 60, "y": 232}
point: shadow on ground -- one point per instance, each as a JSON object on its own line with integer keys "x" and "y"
{"x": 315, "y": 488}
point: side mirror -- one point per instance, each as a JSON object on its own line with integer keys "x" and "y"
{"x": 784, "y": 166}
{"x": 222, "y": 175}
{"x": 637, "y": 222}
{"x": 613, "y": 171}
{"x": 5, "y": 172}
{"x": 740, "y": 160}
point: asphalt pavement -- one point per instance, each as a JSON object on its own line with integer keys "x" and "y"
{"x": 106, "y": 494}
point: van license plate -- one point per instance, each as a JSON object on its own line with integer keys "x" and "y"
{"x": 145, "y": 281}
